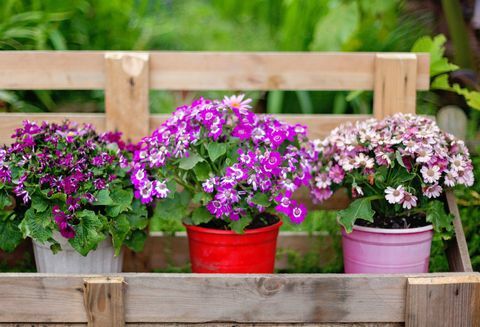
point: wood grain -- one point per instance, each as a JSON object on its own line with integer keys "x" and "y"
{"x": 395, "y": 84}
{"x": 443, "y": 301}
{"x": 103, "y": 299}
{"x": 126, "y": 94}
{"x": 457, "y": 249}
{"x": 197, "y": 298}
{"x": 170, "y": 70}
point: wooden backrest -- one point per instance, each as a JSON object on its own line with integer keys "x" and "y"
{"x": 127, "y": 77}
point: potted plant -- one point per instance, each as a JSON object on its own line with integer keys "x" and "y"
{"x": 67, "y": 188}
{"x": 229, "y": 174}
{"x": 395, "y": 170}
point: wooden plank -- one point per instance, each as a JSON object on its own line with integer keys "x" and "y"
{"x": 198, "y": 298}
{"x": 126, "y": 94}
{"x": 219, "y": 324}
{"x": 443, "y": 301}
{"x": 83, "y": 70}
{"x": 318, "y": 126}
{"x": 103, "y": 299}
{"x": 457, "y": 249}
{"x": 395, "y": 84}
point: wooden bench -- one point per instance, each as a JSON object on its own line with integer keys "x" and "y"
{"x": 444, "y": 299}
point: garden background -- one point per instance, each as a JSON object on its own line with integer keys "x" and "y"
{"x": 448, "y": 29}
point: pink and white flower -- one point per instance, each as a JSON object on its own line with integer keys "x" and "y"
{"x": 430, "y": 174}
{"x": 394, "y": 195}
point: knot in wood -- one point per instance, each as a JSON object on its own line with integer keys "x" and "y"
{"x": 268, "y": 286}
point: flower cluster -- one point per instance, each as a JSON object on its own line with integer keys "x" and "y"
{"x": 64, "y": 172}
{"x": 240, "y": 163}
{"x": 406, "y": 160}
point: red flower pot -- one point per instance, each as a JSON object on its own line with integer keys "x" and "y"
{"x": 219, "y": 251}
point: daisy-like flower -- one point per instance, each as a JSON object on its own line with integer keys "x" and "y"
{"x": 394, "y": 195}
{"x": 237, "y": 102}
{"x": 408, "y": 201}
{"x": 161, "y": 189}
{"x": 362, "y": 160}
{"x": 323, "y": 180}
{"x": 432, "y": 191}
{"x": 424, "y": 155}
{"x": 430, "y": 174}
{"x": 458, "y": 163}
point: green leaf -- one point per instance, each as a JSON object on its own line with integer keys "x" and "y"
{"x": 358, "y": 209}
{"x": 136, "y": 240}
{"x": 238, "y": 226}
{"x": 261, "y": 199}
{"x": 103, "y": 198}
{"x": 121, "y": 202}
{"x": 88, "y": 232}
{"x": 172, "y": 208}
{"x": 119, "y": 229}
{"x": 201, "y": 198}
{"x": 5, "y": 200}
{"x": 189, "y": 162}
{"x": 138, "y": 216}
{"x": 216, "y": 150}
{"x": 37, "y": 225}
{"x": 201, "y": 215}
{"x": 398, "y": 156}
{"x": 10, "y": 235}
{"x": 471, "y": 97}
{"x": 329, "y": 34}
{"x": 435, "y": 47}
{"x": 202, "y": 171}
{"x": 39, "y": 202}
{"x": 442, "y": 221}
{"x": 55, "y": 247}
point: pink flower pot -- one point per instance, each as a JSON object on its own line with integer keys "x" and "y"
{"x": 378, "y": 250}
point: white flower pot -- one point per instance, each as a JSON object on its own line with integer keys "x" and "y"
{"x": 69, "y": 261}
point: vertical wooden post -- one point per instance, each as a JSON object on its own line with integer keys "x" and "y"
{"x": 443, "y": 301}
{"x": 126, "y": 94}
{"x": 395, "y": 84}
{"x": 103, "y": 298}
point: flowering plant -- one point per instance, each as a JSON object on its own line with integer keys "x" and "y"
{"x": 65, "y": 178}
{"x": 395, "y": 170}
{"x": 231, "y": 164}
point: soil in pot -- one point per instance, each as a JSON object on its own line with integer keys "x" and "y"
{"x": 263, "y": 220}
{"x": 394, "y": 222}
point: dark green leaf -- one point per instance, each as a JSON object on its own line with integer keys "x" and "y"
{"x": 5, "y": 199}
{"x": 136, "y": 240}
{"x": 138, "y": 216}
{"x": 103, "y": 198}
{"x": 10, "y": 235}
{"x": 239, "y": 225}
{"x": 358, "y": 209}
{"x": 119, "y": 229}
{"x": 261, "y": 199}
{"x": 216, "y": 150}
{"x": 201, "y": 215}
{"x": 442, "y": 221}
{"x": 88, "y": 232}
{"x": 121, "y": 202}
{"x": 37, "y": 225}
{"x": 189, "y": 162}
{"x": 39, "y": 202}
{"x": 202, "y": 171}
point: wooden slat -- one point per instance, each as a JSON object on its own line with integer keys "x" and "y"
{"x": 318, "y": 125}
{"x": 215, "y": 298}
{"x": 201, "y": 70}
{"x": 126, "y": 94}
{"x": 443, "y": 301}
{"x": 103, "y": 299}
{"x": 395, "y": 84}
{"x": 219, "y": 324}
{"x": 457, "y": 250}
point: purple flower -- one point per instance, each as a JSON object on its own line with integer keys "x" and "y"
{"x": 243, "y": 132}
{"x": 61, "y": 219}
{"x": 276, "y": 138}
{"x": 272, "y": 160}
{"x": 298, "y": 212}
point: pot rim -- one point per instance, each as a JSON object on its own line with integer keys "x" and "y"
{"x": 231, "y": 232}
{"x": 393, "y": 230}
